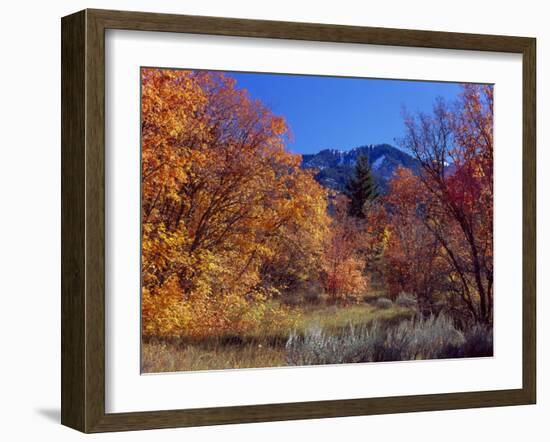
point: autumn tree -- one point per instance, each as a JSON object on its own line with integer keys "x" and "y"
{"x": 454, "y": 147}
{"x": 221, "y": 200}
{"x": 413, "y": 256}
{"x": 343, "y": 261}
{"x": 361, "y": 188}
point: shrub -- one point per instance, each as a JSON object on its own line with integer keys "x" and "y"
{"x": 317, "y": 347}
{"x": 383, "y": 303}
{"x": 406, "y": 300}
{"x": 433, "y": 338}
{"x": 368, "y": 298}
{"x": 312, "y": 297}
{"x": 291, "y": 300}
{"x": 479, "y": 342}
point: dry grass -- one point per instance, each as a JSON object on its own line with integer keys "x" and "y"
{"x": 262, "y": 347}
{"x": 164, "y": 357}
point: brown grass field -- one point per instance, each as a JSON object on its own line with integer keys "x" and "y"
{"x": 261, "y": 347}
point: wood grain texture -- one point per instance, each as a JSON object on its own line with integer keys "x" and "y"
{"x": 144, "y": 21}
{"x": 95, "y": 221}
{"x": 73, "y": 128}
{"x": 83, "y": 218}
{"x": 529, "y": 220}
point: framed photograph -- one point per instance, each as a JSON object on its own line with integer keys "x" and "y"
{"x": 267, "y": 221}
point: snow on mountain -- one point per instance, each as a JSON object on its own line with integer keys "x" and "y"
{"x": 335, "y": 167}
{"x": 378, "y": 162}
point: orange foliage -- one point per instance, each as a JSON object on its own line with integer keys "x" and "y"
{"x": 221, "y": 200}
{"x": 230, "y": 220}
{"x": 344, "y": 264}
{"x": 456, "y": 201}
{"x": 413, "y": 256}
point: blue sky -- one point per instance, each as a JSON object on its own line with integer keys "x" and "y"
{"x": 342, "y": 113}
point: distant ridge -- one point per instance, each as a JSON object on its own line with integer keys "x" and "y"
{"x": 336, "y": 166}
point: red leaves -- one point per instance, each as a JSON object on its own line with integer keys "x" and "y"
{"x": 453, "y": 197}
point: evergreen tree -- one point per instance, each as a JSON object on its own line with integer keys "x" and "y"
{"x": 361, "y": 188}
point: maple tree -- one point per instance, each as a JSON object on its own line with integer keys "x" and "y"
{"x": 414, "y": 262}
{"x": 221, "y": 200}
{"x": 454, "y": 147}
{"x": 343, "y": 261}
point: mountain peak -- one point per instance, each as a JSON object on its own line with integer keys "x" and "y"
{"x": 336, "y": 166}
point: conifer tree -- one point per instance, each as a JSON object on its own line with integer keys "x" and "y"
{"x": 361, "y": 188}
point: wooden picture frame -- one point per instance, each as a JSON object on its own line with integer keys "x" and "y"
{"x": 83, "y": 220}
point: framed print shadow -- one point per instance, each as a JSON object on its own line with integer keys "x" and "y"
{"x": 267, "y": 221}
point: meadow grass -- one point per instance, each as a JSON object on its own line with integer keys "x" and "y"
{"x": 160, "y": 357}
{"x": 262, "y": 346}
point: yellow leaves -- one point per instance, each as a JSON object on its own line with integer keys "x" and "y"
{"x": 225, "y": 207}
{"x": 386, "y": 236}
{"x": 166, "y": 314}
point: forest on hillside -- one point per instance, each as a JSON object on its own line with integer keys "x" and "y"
{"x": 249, "y": 261}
